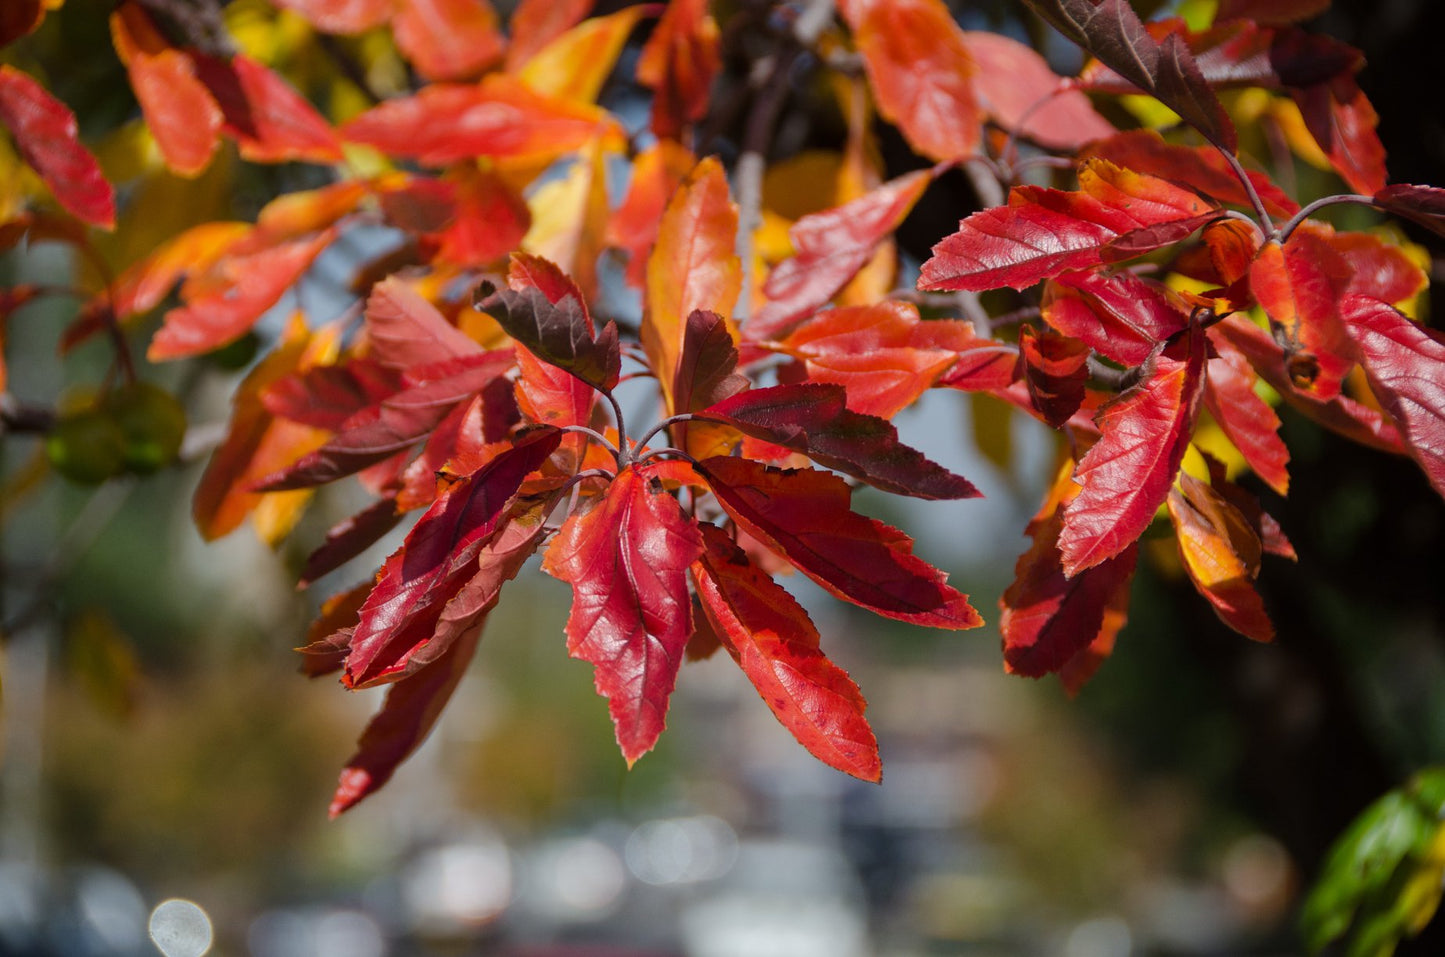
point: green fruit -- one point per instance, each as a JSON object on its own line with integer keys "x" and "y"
{"x": 86, "y": 447}
{"x": 152, "y": 425}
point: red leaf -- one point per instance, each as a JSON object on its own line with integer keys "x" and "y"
{"x": 489, "y": 220}
{"x": 244, "y": 287}
{"x": 341, "y": 16}
{"x": 347, "y": 539}
{"x": 401, "y": 616}
{"x": 271, "y": 122}
{"x": 545, "y": 393}
{"x": 1014, "y": 85}
{"x": 832, "y": 246}
{"x": 803, "y": 515}
{"x": 1354, "y": 420}
{"x": 884, "y": 354}
{"x": 678, "y": 64}
{"x": 257, "y": 444}
{"x": 1248, "y": 420}
{"x": 984, "y": 366}
{"x": 1221, "y": 553}
{"x": 179, "y": 111}
{"x": 1378, "y": 269}
{"x": 813, "y": 419}
{"x": 1120, "y": 315}
{"x": 1421, "y": 204}
{"x": 1055, "y": 371}
{"x": 448, "y": 39}
{"x": 19, "y": 17}
{"x": 1298, "y": 285}
{"x": 46, "y": 136}
{"x": 1044, "y": 232}
{"x": 1232, "y": 247}
{"x": 1342, "y": 121}
{"x": 1127, "y": 474}
{"x": 1201, "y": 168}
{"x": 404, "y": 721}
{"x": 326, "y": 396}
{"x": 773, "y": 640}
{"x": 403, "y": 329}
{"x": 1405, "y": 363}
{"x": 501, "y": 118}
{"x": 1049, "y": 619}
{"x": 1270, "y": 11}
{"x": 394, "y": 424}
{"x": 627, "y": 560}
{"x": 921, "y": 73}
{"x": 1112, "y": 32}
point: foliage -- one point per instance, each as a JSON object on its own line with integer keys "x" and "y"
{"x": 1383, "y": 876}
{"x": 1168, "y": 296}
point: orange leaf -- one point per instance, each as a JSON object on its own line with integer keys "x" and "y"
{"x": 448, "y": 39}
{"x": 883, "y": 354}
{"x": 179, "y": 111}
{"x": 1299, "y": 285}
{"x": 693, "y": 266}
{"x": 773, "y": 640}
{"x": 256, "y": 442}
{"x": 535, "y": 23}
{"x": 657, "y": 173}
{"x": 490, "y": 219}
{"x": 501, "y": 118}
{"x": 240, "y": 288}
{"x": 678, "y": 64}
{"x": 1221, "y": 552}
{"x": 1248, "y": 421}
{"x": 574, "y": 65}
{"x": 922, "y": 74}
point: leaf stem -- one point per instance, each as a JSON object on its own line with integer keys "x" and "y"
{"x": 621, "y": 450}
{"x": 670, "y": 420}
{"x": 1240, "y": 173}
{"x": 594, "y": 434}
{"x": 1319, "y": 204}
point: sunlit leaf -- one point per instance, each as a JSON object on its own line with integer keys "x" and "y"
{"x": 403, "y": 329}
{"x": 804, "y": 515}
{"x": 693, "y": 266}
{"x": 1126, "y": 476}
{"x": 1221, "y": 553}
{"x": 1047, "y": 619}
{"x": 884, "y": 354}
{"x": 1120, "y": 315}
{"x": 536, "y": 23}
{"x": 447, "y": 39}
{"x": 627, "y": 560}
{"x": 813, "y": 419}
{"x": 342, "y": 16}
{"x": 1299, "y": 285}
{"x": 773, "y": 640}
{"x": 921, "y": 73}
{"x": 179, "y": 111}
{"x": 1403, "y": 361}
{"x": 575, "y": 64}
{"x": 1343, "y": 122}
{"x": 1201, "y": 168}
{"x": 271, "y": 122}
{"x": 1248, "y": 421}
{"x": 1016, "y": 88}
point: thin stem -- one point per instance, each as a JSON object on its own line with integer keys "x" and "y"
{"x": 621, "y": 450}
{"x": 1319, "y": 204}
{"x": 670, "y": 420}
{"x": 671, "y": 452}
{"x": 1240, "y": 173}
{"x": 987, "y": 181}
{"x": 1010, "y": 147}
{"x": 594, "y": 434}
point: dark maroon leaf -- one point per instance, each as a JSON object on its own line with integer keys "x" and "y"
{"x": 814, "y": 419}
{"x": 1421, "y": 204}
{"x": 350, "y": 538}
{"x": 557, "y": 332}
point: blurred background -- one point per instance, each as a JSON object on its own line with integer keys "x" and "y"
{"x": 167, "y": 769}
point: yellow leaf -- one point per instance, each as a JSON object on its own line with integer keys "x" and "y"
{"x": 569, "y": 218}
{"x": 576, "y": 64}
